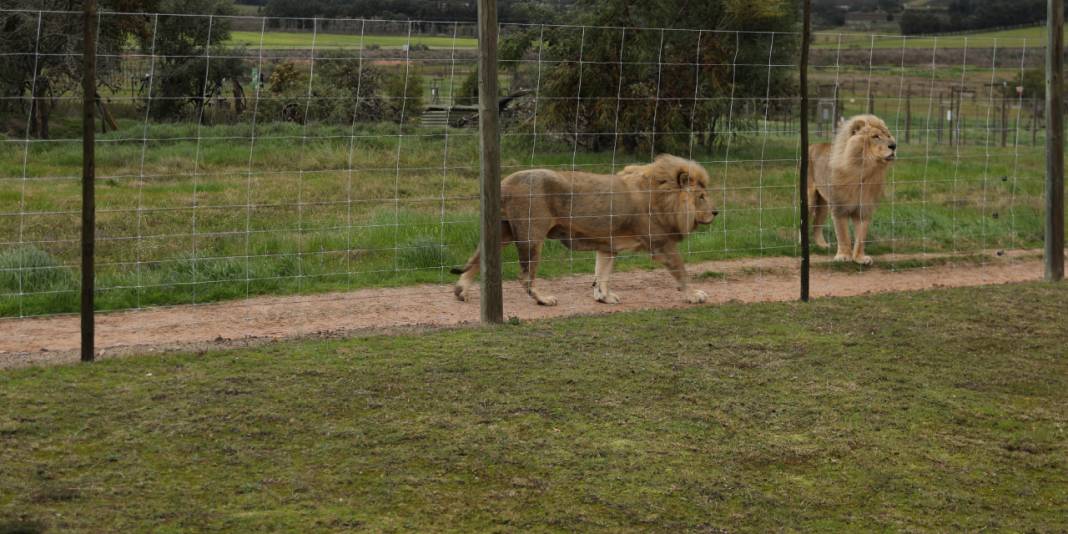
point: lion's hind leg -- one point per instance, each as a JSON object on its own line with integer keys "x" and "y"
{"x": 818, "y": 216}
{"x": 469, "y": 272}
{"x": 529, "y": 255}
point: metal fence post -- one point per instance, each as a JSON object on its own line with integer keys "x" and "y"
{"x": 1055, "y": 142}
{"x": 88, "y": 177}
{"x": 803, "y": 186}
{"x": 491, "y": 302}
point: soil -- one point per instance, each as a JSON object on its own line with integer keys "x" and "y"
{"x": 55, "y": 339}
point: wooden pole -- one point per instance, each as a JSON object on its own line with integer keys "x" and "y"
{"x": 1055, "y": 142}
{"x": 1004, "y": 121}
{"x": 492, "y": 301}
{"x": 806, "y": 36}
{"x": 88, "y": 177}
{"x": 1034, "y": 121}
{"x": 908, "y": 114}
{"x": 941, "y": 118}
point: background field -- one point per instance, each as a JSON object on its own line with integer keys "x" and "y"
{"x": 305, "y": 40}
{"x": 937, "y": 411}
{"x": 1033, "y": 37}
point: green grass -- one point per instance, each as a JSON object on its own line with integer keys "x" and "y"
{"x": 316, "y": 227}
{"x": 935, "y": 411}
{"x": 1014, "y": 38}
{"x": 291, "y": 40}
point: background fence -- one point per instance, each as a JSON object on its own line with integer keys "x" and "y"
{"x": 243, "y": 156}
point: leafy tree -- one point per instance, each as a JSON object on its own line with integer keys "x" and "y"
{"x": 642, "y": 96}
{"x": 343, "y": 90}
{"x": 192, "y": 61}
{"x": 43, "y": 54}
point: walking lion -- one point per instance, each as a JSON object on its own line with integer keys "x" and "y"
{"x": 644, "y": 207}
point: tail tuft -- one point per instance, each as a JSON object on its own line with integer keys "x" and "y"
{"x": 457, "y": 270}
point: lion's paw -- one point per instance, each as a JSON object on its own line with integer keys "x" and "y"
{"x": 607, "y": 297}
{"x": 696, "y": 297}
{"x": 822, "y": 243}
{"x": 610, "y": 298}
{"x": 460, "y": 292}
{"x": 864, "y": 260}
{"x": 842, "y": 257}
{"x": 546, "y": 300}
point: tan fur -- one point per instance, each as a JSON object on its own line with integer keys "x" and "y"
{"x": 846, "y": 178}
{"x": 643, "y": 207}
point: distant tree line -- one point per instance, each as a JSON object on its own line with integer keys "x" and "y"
{"x": 965, "y": 15}
{"x": 444, "y": 10}
{"x": 831, "y": 13}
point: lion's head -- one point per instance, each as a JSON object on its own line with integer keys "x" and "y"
{"x": 866, "y": 137}
{"x": 680, "y": 187}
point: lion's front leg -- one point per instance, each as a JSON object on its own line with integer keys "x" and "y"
{"x": 860, "y": 228}
{"x": 670, "y": 257}
{"x": 841, "y": 232}
{"x": 602, "y": 272}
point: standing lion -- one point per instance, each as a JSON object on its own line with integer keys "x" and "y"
{"x": 846, "y": 177}
{"x": 643, "y": 207}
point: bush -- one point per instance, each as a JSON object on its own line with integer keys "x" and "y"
{"x": 344, "y": 89}
{"x": 28, "y": 269}
{"x": 422, "y": 253}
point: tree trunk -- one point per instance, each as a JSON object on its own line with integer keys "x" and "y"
{"x": 239, "y": 97}
{"x": 40, "y": 109}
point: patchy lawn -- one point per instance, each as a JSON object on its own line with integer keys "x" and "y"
{"x": 943, "y": 410}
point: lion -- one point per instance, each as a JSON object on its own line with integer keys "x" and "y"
{"x": 846, "y": 178}
{"x": 644, "y": 207}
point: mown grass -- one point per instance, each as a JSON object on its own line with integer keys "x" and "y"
{"x": 1032, "y": 37}
{"x": 297, "y": 40}
{"x": 935, "y": 411}
{"x": 189, "y": 215}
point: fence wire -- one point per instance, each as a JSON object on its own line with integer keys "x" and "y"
{"x": 247, "y": 156}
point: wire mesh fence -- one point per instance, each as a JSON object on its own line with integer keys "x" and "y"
{"x": 244, "y": 156}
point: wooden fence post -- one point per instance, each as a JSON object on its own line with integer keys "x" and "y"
{"x": 941, "y": 118}
{"x": 908, "y": 114}
{"x": 1055, "y": 142}
{"x": 491, "y": 300}
{"x": 806, "y": 35}
{"x": 1004, "y": 121}
{"x": 88, "y": 177}
{"x": 1034, "y": 121}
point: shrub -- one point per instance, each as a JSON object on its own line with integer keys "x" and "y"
{"x": 28, "y": 269}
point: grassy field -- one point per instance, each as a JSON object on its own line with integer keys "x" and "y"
{"x": 936, "y": 411}
{"x": 293, "y": 40}
{"x": 222, "y": 218}
{"x": 1033, "y": 37}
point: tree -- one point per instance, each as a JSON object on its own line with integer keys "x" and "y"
{"x": 192, "y": 62}
{"x": 642, "y": 96}
{"x": 43, "y": 53}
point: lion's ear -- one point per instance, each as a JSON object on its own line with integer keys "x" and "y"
{"x": 684, "y": 179}
{"x": 856, "y": 126}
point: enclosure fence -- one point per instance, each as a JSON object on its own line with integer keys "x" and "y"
{"x": 239, "y": 156}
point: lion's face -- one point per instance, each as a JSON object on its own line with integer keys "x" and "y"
{"x": 694, "y": 181}
{"x": 873, "y": 139}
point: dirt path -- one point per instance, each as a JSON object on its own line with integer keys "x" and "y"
{"x": 53, "y": 340}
